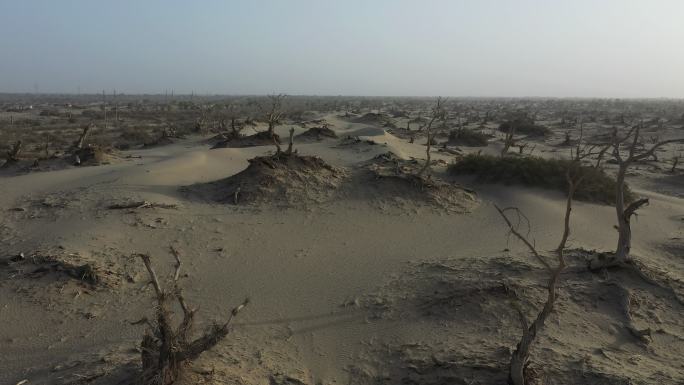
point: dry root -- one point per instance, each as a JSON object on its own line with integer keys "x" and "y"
{"x": 167, "y": 350}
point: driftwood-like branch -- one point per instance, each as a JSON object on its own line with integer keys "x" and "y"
{"x": 141, "y": 205}
{"x": 153, "y": 275}
{"x": 521, "y": 354}
{"x": 513, "y": 229}
{"x": 167, "y": 350}
{"x": 176, "y": 255}
{"x": 633, "y": 207}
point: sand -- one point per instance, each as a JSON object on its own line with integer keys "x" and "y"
{"x": 359, "y": 288}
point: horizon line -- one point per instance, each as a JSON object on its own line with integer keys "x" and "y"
{"x": 200, "y": 95}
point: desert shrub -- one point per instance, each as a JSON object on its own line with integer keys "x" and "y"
{"x": 135, "y": 136}
{"x": 524, "y": 126}
{"x": 49, "y": 113}
{"x": 596, "y": 185}
{"x": 469, "y": 138}
{"x": 92, "y": 114}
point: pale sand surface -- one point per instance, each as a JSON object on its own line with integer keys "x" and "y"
{"x": 332, "y": 284}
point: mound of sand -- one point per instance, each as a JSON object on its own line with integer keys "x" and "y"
{"x": 372, "y": 118}
{"x": 93, "y": 155}
{"x": 354, "y": 141}
{"x": 158, "y": 142}
{"x": 262, "y": 138}
{"x": 59, "y": 265}
{"x": 317, "y": 134}
{"x": 279, "y": 179}
{"x": 464, "y": 306}
{"x": 388, "y": 177}
{"x": 222, "y": 137}
{"x": 87, "y": 156}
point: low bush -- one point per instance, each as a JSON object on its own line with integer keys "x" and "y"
{"x": 524, "y": 126}
{"x": 596, "y": 186}
{"x": 469, "y": 138}
{"x": 135, "y": 136}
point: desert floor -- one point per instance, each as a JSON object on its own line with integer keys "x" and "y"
{"x": 369, "y": 287}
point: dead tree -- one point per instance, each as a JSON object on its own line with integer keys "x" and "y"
{"x": 582, "y": 150}
{"x": 46, "y": 147}
{"x": 635, "y": 152}
{"x": 13, "y": 153}
{"x": 675, "y": 162}
{"x": 568, "y": 140}
{"x": 291, "y": 142}
{"x": 167, "y": 350}
{"x": 521, "y": 354}
{"x": 231, "y": 114}
{"x": 104, "y": 108}
{"x": 275, "y": 112}
{"x": 84, "y": 135}
{"x": 509, "y": 140}
{"x": 521, "y": 148}
{"x": 438, "y": 112}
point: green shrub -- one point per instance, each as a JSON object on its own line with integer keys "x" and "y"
{"x": 524, "y": 126}
{"x": 596, "y": 185}
{"x": 469, "y": 138}
{"x": 133, "y": 136}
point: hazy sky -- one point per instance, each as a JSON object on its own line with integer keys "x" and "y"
{"x": 602, "y": 48}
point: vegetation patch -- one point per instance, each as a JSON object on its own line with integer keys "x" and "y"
{"x": 468, "y": 138}
{"x": 281, "y": 179}
{"x": 524, "y": 126}
{"x": 317, "y": 134}
{"x": 391, "y": 179}
{"x": 596, "y": 185}
{"x": 57, "y": 266}
{"x": 374, "y": 119}
{"x": 262, "y": 138}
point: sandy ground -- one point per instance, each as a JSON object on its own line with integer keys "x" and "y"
{"x": 342, "y": 292}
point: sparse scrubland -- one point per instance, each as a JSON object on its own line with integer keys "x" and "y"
{"x": 368, "y": 254}
{"x": 470, "y": 138}
{"x": 597, "y": 185}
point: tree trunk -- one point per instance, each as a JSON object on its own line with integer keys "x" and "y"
{"x": 624, "y": 231}
{"x": 521, "y": 355}
{"x": 289, "y": 146}
{"x": 428, "y": 159}
{"x": 271, "y": 126}
{"x": 13, "y": 154}
{"x": 82, "y": 138}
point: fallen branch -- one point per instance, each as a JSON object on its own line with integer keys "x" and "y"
{"x": 141, "y": 205}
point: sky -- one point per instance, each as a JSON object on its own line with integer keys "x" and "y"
{"x": 556, "y": 48}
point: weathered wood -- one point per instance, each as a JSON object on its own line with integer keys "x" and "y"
{"x": 635, "y": 153}
{"x": 13, "y": 153}
{"x": 166, "y": 350}
{"x": 84, "y": 135}
{"x": 521, "y": 354}
{"x": 141, "y": 205}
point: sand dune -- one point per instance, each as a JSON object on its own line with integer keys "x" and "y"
{"x": 340, "y": 291}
